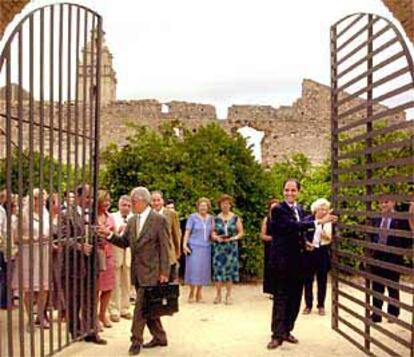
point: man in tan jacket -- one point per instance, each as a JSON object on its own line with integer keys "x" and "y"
{"x": 120, "y": 304}
{"x": 147, "y": 236}
{"x": 173, "y": 230}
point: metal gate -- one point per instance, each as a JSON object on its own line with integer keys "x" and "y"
{"x": 49, "y": 142}
{"x": 372, "y": 74}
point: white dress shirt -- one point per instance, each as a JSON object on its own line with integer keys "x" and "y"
{"x": 317, "y": 235}
{"x": 3, "y": 220}
{"x": 3, "y": 224}
{"x": 143, "y": 217}
{"x": 294, "y": 207}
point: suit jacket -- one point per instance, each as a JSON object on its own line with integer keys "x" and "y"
{"x": 72, "y": 227}
{"x": 392, "y": 240}
{"x": 149, "y": 251}
{"x": 174, "y": 231}
{"x": 287, "y": 240}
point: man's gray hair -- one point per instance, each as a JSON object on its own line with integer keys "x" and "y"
{"x": 157, "y": 192}
{"x": 141, "y": 193}
{"x": 319, "y": 203}
{"x": 124, "y": 198}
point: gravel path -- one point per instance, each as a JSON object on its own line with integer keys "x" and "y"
{"x": 241, "y": 329}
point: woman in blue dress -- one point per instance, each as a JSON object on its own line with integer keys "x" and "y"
{"x": 227, "y": 231}
{"x": 197, "y": 248}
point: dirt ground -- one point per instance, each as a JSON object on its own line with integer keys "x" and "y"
{"x": 242, "y": 329}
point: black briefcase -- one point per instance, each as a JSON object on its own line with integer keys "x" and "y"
{"x": 160, "y": 300}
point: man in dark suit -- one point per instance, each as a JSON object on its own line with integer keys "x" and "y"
{"x": 77, "y": 267}
{"x": 147, "y": 235}
{"x": 385, "y": 223}
{"x": 286, "y": 262}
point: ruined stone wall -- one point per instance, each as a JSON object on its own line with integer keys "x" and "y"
{"x": 303, "y": 127}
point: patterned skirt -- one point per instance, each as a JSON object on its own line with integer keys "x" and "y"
{"x": 225, "y": 259}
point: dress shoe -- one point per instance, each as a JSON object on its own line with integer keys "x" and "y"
{"x": 217, "y": 300}
{"x": 376, "y": 318}
{"x": 135, "y": 349}
{"x": 291, "y": 339}
{"x": 274, "y": 343}
{"x": 44, "y": 324}
{"x": 392, "y": 319}
{"x": 95, "y": 339}
{"x": 306, "y": 311}
{"x": 321, "y": 311}
{"x": 127, "y": 316}
{"x": 115, "y": 318}
{"x": 106, "y": 323}
{"x": 155, "y": 343}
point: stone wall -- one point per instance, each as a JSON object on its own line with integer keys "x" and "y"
{"x": 302, "y": 127}
{"x": 403, "y": 10}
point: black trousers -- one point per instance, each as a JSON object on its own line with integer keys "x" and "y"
{"x": 267, "y": 271}
{"x": 3, "y": 281}
{"x": 173, "y": 273}
{"x": 81, "y": 302}
{"x": 286, "y": 305}
{"x": 316, "y": 263}
{"x": 392, "y": 292}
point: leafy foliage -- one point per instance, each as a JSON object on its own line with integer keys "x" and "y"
{"x": 65, "y": 173}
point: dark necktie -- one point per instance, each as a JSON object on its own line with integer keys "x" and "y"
{"x": 383, "y": 234}
{"x": 295, "y": 210}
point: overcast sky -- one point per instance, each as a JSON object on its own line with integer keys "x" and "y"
{"x": 221, "y": 52}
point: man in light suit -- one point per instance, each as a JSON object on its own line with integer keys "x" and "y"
{"x": 120, "y": 303}
{"x": 173, "y": 230}
{"x": 147, "y": 235}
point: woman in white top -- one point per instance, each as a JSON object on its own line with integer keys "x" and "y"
{"x": 33, "y": 257}
{"x": 316, "y": 257}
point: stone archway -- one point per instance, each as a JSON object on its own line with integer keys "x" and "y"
{"x": 254, "y": 140}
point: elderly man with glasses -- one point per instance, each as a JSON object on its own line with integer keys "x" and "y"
{"x": 147, "y": 236}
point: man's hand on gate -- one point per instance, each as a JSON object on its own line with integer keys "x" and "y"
{"x": 163, "y": 278}
{"x": 85, "y": 248}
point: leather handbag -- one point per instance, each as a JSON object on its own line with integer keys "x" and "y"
{"x": 160, "y": 300}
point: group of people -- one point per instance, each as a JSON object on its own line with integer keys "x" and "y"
{"x": 211, "y": 248}
{"x": 51, "y": 266}
{"x": 297, "y": 250}
{"x": 141, "y": 243}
